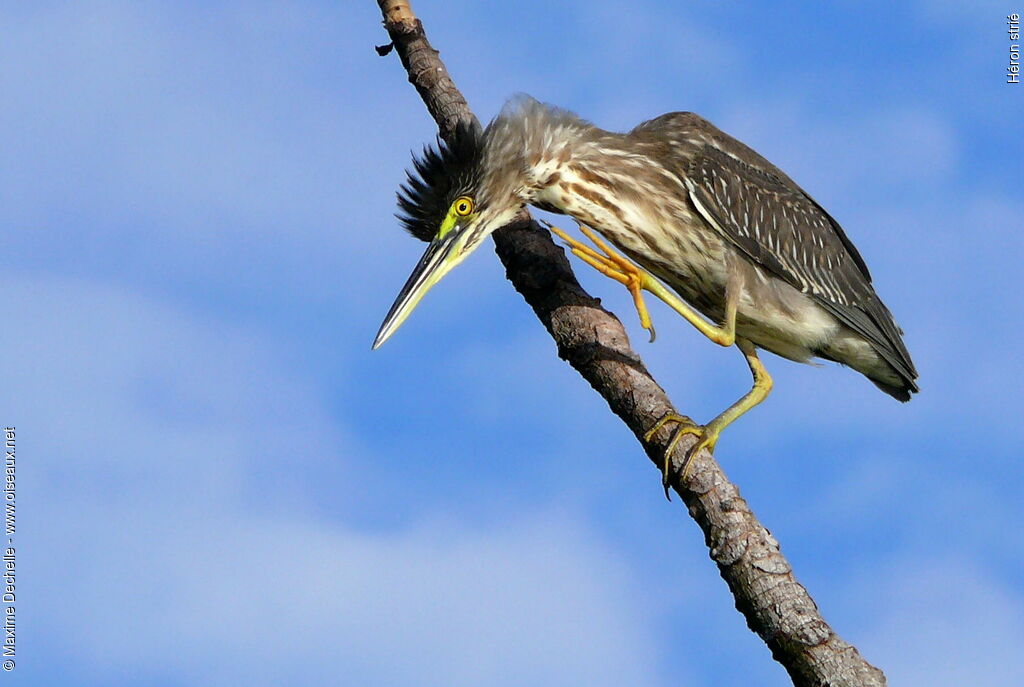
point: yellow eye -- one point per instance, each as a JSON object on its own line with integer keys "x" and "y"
{"x": 463, "y": 206}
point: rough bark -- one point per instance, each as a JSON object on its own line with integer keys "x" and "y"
{"x": 593, "y": 341}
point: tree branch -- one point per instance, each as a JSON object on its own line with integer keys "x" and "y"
{"x": 593, "y": 341}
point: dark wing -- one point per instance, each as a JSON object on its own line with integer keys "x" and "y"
{"x": 782, "y": 229}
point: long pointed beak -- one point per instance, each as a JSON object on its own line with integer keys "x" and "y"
{"x": 440, "y": 257}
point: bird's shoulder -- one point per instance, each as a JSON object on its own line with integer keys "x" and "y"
{"x": 703, "y": 153}
{"x": 689, "y": 135}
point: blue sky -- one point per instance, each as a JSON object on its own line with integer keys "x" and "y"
{"x": 220, "y": 484}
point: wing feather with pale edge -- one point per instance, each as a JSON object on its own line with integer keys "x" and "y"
{"x": 786, "y": 232}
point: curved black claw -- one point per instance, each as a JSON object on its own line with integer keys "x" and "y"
{"x": 707, "y": 437}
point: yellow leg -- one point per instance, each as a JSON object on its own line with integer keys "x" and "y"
{"x": 707, "y": 435}
{"x": 613, "y": 265}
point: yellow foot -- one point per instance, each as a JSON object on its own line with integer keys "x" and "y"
{"x": 611, "y": 264}
{"x": 707, "y": 437}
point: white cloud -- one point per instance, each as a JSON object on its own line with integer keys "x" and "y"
{"x": 532, "y": 601}
{"x": 107, "y": 381}
{"x": 155, "y": 513}
{"x": 168, "y": 146}
{"x": 945, "y": 620}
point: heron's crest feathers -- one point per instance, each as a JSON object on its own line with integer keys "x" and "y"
{"x": 441, "y": 174}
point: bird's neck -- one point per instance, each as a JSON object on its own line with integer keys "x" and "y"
{"x": 537, "y": 143}
{"x": 576, "y": 169}
{"x": 567, "y": 171}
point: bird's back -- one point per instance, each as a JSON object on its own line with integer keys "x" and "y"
{"x": 783, "y": 233}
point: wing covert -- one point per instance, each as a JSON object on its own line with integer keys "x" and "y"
{"x": 784, "y": 231}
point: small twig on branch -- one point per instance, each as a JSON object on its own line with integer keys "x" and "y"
{"x": 593, "y": 341}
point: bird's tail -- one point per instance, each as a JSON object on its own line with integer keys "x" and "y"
{"x": 899, "y": 381}
{"x": 900, "y": 392}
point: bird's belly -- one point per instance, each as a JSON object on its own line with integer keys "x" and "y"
{"x": 780, "y": 318}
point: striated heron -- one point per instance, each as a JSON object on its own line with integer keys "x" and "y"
{"x": 736, "y": 239}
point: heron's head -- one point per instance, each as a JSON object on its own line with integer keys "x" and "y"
{"x": 458, "y": 193}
